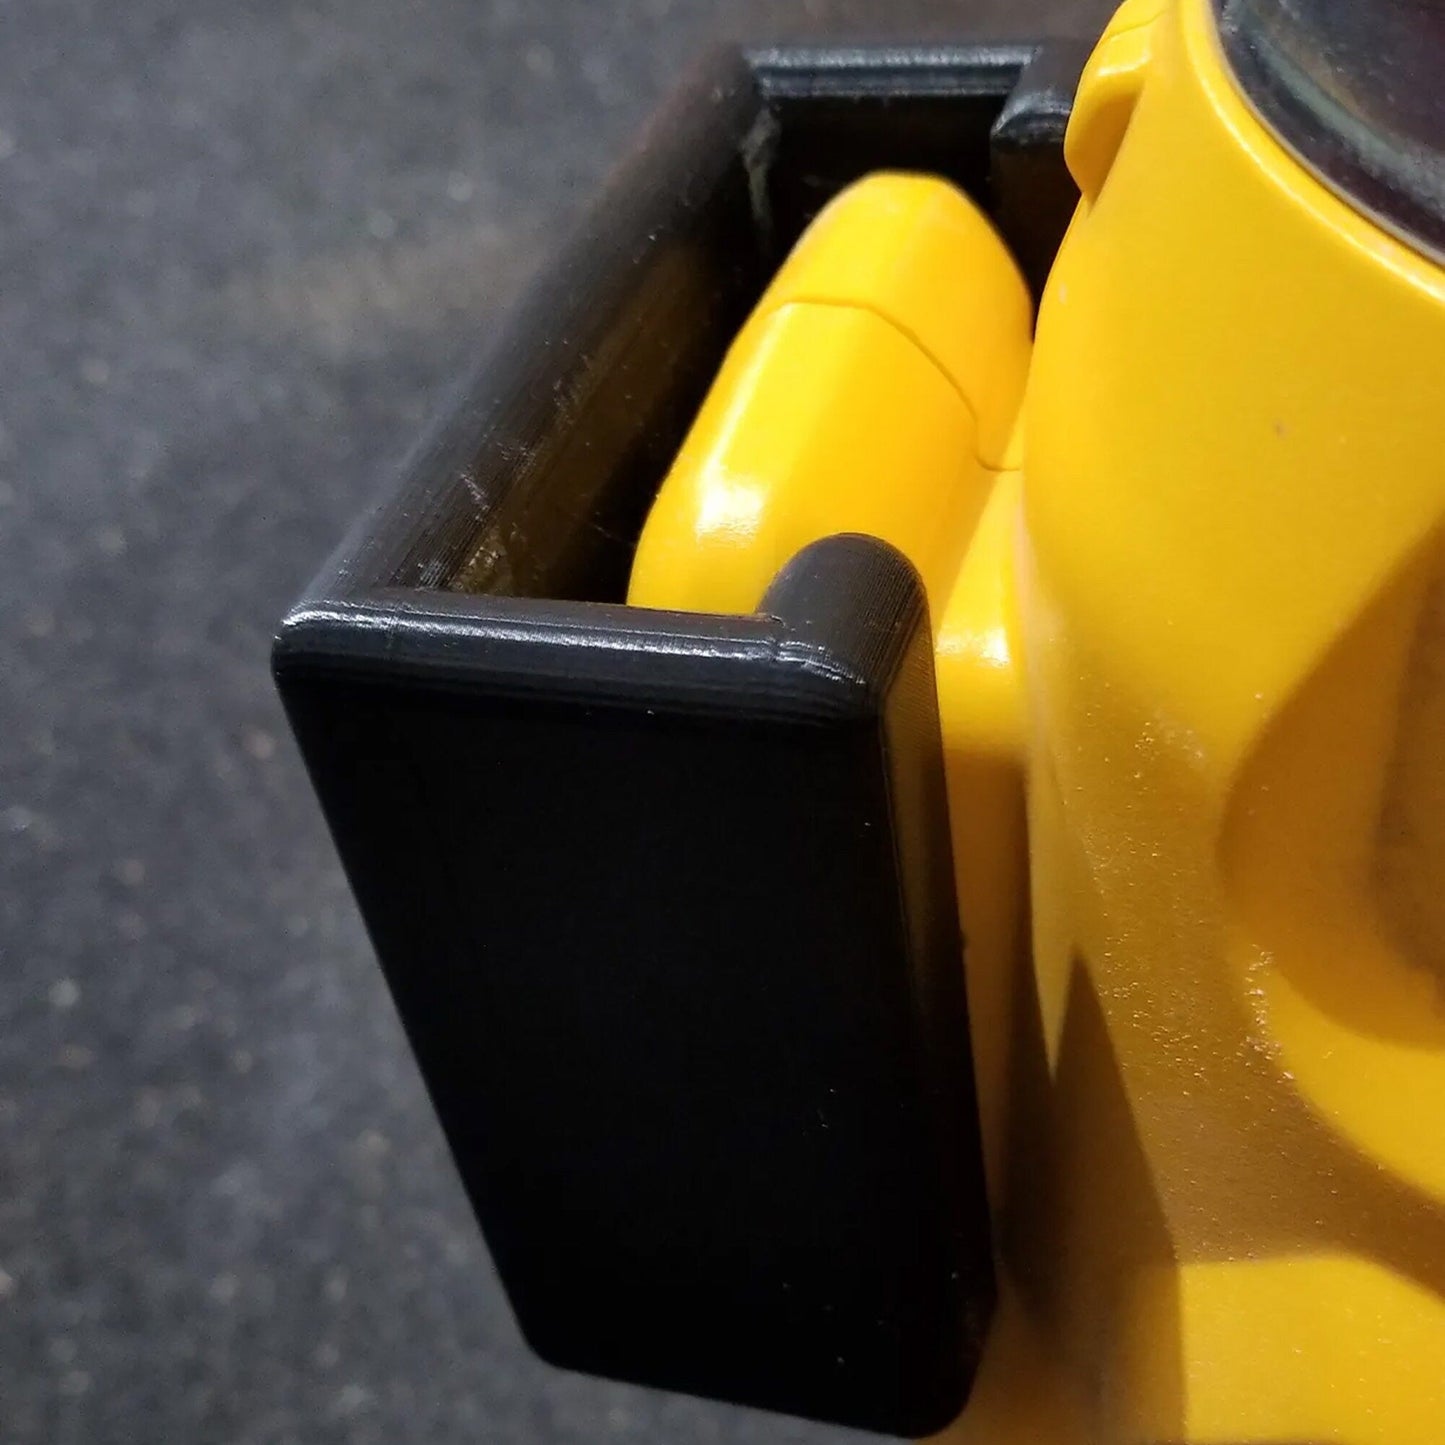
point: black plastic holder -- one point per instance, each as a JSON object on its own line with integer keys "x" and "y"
{"x": 665, "y": 900}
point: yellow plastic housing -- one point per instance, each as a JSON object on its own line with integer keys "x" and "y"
{"x": 1189, "y": 611}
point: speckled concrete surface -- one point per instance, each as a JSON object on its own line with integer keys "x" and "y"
{"x": 243, "y": 248}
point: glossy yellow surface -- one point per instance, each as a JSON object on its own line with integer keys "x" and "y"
{"x": 872, "y": 390}
{"x": 1233, "y": 635}
{"x": 1190, "y": 636}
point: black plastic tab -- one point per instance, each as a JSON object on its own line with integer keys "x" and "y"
{"x": 666, "y": 900}
{"x": 1031, "y": 193}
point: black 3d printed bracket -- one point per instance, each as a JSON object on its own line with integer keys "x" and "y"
{"x": 666, "y": 900}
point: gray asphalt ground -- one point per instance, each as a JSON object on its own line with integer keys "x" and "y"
{"x": 244, "y": 247}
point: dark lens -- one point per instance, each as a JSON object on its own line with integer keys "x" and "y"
{"x": 1356, "y": 88}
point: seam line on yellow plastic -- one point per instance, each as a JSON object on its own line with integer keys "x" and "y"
{"x": 909, "y": 336}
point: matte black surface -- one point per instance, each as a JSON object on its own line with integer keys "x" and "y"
{"x": 246, "y": 248}
{"x": 635, "y": 881}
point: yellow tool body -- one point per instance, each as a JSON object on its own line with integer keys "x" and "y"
{"x": 1182, "y": 552}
